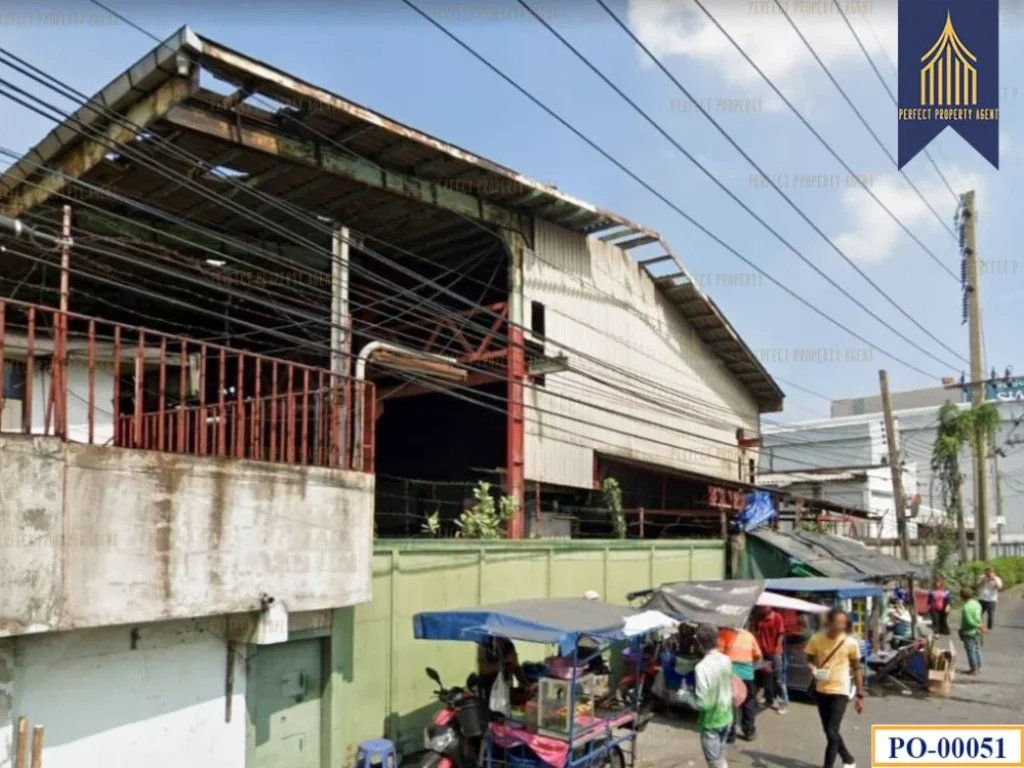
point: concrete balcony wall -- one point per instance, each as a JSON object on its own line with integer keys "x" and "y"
{"x": 95, "y": 536}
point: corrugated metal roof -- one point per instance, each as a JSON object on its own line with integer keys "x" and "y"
{"x": 784, "y": 479}
{"x": 417, "y": 180}
{"x": 837, "y": 556}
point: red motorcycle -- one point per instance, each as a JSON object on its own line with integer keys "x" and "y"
{"x": 453, "y": 739}
{"x": 636, "y": 683}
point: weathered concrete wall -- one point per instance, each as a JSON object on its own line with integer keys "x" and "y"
{"x": 93, "y": 536}
{"x": 152, "y": 695}
{"x": 6, "y": 702}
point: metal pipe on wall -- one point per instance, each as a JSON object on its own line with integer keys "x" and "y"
{"x": 365, "y": 354}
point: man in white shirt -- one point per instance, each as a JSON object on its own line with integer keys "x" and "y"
{"x": 988, "y": 594}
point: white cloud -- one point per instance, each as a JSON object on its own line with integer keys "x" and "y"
{"x": 872, "y": 235}
{"x": 680, "y": 28}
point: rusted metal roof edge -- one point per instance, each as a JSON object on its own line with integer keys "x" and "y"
{"x": 252, "y": 69}
{"x": 142, "y": 78}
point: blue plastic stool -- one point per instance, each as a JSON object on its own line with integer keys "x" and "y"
{"x": 377, "y": 752}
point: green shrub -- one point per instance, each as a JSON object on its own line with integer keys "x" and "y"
{"x": 1009, "y": 569}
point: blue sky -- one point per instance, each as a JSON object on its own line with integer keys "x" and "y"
{"x": 384, "y": 56}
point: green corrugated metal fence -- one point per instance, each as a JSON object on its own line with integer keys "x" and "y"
{"x": 377, "y": 684}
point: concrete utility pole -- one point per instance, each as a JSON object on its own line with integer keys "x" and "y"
{"x": 999, "y": 493}
{"x": 895, "y": 467}
{"x": 60, "y": 388}
{"x": 970, "y": 252}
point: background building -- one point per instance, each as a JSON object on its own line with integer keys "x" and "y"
{"x": 849, "y": 454}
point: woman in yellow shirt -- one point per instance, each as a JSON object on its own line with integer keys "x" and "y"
{"x": 832, "y": 657}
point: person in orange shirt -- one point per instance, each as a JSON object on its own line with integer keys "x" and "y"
{"x": 743, "y": 651}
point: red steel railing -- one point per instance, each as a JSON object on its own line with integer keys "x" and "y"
{"x": 95, "y": 381}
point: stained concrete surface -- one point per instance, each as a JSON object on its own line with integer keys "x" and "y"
{"x": 795, "y": 740}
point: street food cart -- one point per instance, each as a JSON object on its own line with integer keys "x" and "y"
{"x": 565, "y": 723}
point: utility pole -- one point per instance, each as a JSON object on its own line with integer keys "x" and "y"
{"x": 895, "y": 467}
{"x": 896, "y": 470}
{"x": 999, "y": 492}
{"x": 968, "y": 216}
{"x": 60, "y": 388}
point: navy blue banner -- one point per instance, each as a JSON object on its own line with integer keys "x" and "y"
{"x": 948, "y": 74}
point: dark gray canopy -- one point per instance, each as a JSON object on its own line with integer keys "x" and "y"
{"x": 719, "y": 603}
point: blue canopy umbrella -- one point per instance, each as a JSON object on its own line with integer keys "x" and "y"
{"x": 554, "y": 621}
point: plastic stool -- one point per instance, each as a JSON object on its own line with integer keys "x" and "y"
{"x": 377, "y": 752}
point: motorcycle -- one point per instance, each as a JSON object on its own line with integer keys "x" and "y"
{"x": 639, "y": 680}
{"x": 453, "y": 739}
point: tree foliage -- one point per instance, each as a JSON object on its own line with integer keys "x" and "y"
{"x": 952, "y": 434}
{"x": 487, "y": 518}
{"x": 613, "y": 503}
{"x": 957, "y": 428}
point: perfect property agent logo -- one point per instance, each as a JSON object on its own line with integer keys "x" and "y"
{"x": 948, "y": 74}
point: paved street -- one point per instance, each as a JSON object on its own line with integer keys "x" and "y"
{"x": 795, "y": 740}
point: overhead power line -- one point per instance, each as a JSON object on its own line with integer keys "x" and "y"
{"x": 728, "y": 137}
{"x": 663, "y": 198}
{"x": 207, "y": 193}
{"x": 629, "y": 417}
{"x": 150, "y": 35}
{"x": 828, "y": 146}
{"x": 870, "y": 130}
{"x": 885, "y": 85}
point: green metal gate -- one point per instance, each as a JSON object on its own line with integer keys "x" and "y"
{"x": 283, "y": 698}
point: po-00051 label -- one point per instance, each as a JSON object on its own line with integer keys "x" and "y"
{"x": 977, "y": 746}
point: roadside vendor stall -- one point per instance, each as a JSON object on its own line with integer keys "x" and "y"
{"x": 566, "y": 721}
{"x": 725, "y": 604}
{"x": 860, "y": 600}
{"x": 669, "y": 667}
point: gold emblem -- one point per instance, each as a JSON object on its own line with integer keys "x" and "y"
{"x": 948, "y": 77}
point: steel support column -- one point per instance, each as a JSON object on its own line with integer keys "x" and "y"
{"x": 341, "y": 342}
{"x": 515, "y": 477}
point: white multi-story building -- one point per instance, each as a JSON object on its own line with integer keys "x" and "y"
{"x": 851, "y": 453}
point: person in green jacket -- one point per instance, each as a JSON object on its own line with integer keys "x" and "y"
{"x": 712, "y": 696}
{"x": 971, "y": 630}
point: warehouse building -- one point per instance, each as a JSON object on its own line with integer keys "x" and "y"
{"x": 277, "y": 298}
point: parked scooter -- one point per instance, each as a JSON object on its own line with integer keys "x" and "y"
{"x": 453, "y": 739}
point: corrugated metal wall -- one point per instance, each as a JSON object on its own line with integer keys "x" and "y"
{"x": 598, "y": 300}
{"x": 388, "y": 690}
